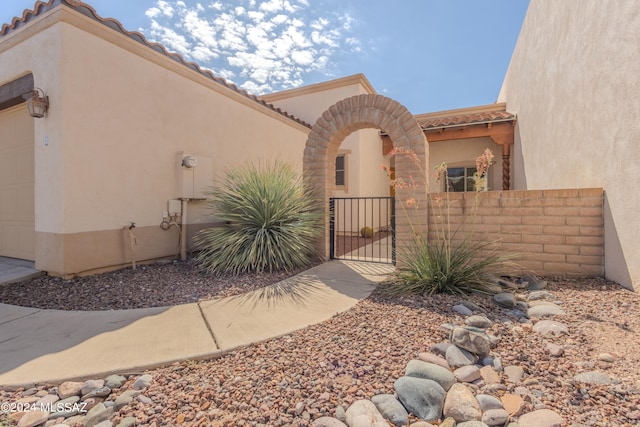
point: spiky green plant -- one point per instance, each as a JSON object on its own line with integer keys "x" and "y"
{"x": 445, "y": 267}
{"x": 271, "y": 223}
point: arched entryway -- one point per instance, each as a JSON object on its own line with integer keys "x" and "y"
{"x": 361, "y": 112}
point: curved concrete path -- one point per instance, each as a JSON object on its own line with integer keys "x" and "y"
{"x": 39, "y": 346}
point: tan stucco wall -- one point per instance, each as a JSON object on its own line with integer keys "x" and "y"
{"x": 573, "y": 81}
{"x": 463, "y": 152}
{"x": 119, "y": 115}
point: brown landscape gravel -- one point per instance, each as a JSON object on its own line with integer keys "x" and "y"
{"x": 294, "y": 379}
{"x": 153, "y": 285}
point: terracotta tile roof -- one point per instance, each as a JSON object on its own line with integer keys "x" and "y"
{"x": 83, "y": 8}
{"x": 465, "y": 119}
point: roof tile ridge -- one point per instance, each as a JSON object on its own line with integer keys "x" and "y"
{"x": 27, "y": 14}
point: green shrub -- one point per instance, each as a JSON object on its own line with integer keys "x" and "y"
{"x": 366, "y": 232}
{"x": 442, "y": 267}
{"x": 270, "y": 222}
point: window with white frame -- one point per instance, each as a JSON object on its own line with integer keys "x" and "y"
{"x": 461, "y": 179}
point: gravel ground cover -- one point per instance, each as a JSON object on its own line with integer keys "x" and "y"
{"x": 294, "y": 379}
{"x": 152, "y": 285}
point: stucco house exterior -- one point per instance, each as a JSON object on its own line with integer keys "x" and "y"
{"x": 136, "y": 134}
{"x": 122, "y": 114}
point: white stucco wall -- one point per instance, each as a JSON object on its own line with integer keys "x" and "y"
{"x": 574, "y": 81}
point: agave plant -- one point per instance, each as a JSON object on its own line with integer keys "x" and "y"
{"x": 270, "y": 222}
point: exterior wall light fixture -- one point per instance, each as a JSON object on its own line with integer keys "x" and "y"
{"x": 189, "y": 162}
{"x": 38, "y": 104}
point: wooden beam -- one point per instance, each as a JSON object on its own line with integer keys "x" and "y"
{"x": 501, "y": 133}
{"x": 12, "y": 93}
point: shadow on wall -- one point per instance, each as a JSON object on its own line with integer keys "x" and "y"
{"x": 615, "y": 264}
{"x": 518, "y": 171}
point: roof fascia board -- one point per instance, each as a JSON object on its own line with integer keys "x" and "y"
{"x": 500, "y": 106}
{"x": 320, "y": 87}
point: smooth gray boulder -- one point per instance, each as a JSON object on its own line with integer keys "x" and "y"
{"x": 478, "y": 321}
{"x": 488, "y": 402}
{"x": 458, "y": 357}
{"x": 505, "y": 299}
{"x": 430, "y": 371}
{"x": 391, "y": 409}
{"x": 476, "y": 342}
{"x": 495, "y": 417}
{"x": 424, "y": 398}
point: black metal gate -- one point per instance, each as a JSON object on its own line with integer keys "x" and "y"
{"x": 362, "y": 229}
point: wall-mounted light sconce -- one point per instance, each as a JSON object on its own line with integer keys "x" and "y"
{"x": 37, "y": 104}
{"x": 189, "y": 162}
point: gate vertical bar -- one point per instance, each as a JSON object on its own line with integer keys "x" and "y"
{"x": 332, "y": 228}
{"x": 393, "y": 230}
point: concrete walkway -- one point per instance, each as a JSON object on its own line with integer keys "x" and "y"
{"x": 16, "y": 270}
{"x": 52, "y": 346}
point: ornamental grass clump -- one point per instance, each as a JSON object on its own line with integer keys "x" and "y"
{"x": 439, "y": 267}
{"x": 270, "y": 222}
{"x": 448, "y": 263}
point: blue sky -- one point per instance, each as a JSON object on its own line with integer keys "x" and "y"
{"x": 430, "y": 55}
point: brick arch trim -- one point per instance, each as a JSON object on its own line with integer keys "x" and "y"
{"x": 362, "y": 112}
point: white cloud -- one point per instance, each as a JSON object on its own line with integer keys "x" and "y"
{"x": 303, "y": 57}
{"x": 152, "y": 12}
{"x": 170, "y": 38}
{"x": 279, "y": 19}
{"x": 166, "y": 8}
{"x": 264, "y": 45}
{"x": 319, "y": 24}
{"x": 226, "y": 74}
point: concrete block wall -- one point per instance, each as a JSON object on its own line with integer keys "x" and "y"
{"x": 549, "y": 232}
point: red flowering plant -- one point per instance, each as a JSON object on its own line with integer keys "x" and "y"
{"x": 446, "y": 262}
